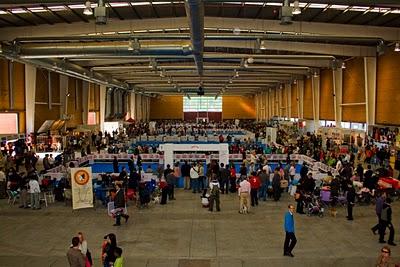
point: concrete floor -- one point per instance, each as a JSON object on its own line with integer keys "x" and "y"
{"x": 184, "y": 234}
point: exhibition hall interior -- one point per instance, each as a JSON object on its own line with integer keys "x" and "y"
{"x": 199, "y": 133}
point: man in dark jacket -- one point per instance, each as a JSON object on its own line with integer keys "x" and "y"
{"x": 115, "y": 165}
{"x": 170, "y": 179}
{"x": 276, "y": 185}
{"x": 351, "y": 197}
{"x": 386, "y": 221}
{"x": 185, "y": 171}
{"x": 378, "y": 210}
{"x": 303, "y": 171}
{"x": 224, "y": 178}
{"x": 119, "y": 205}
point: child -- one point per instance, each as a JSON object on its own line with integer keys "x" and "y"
{"x": 205, "y": 202}
{"x": 119, "y": 261}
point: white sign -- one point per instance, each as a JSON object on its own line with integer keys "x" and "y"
{"x": 82, "y": 189}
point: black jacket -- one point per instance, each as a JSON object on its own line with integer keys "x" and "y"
{"x": 119, "y": 199}
{"x": 351, "y": 195}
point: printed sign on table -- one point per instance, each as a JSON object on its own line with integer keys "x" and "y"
{"x": 82, "y": 190}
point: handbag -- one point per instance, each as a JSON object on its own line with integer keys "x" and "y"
{"x": 89, "y": 257}
{"x": 284, "y": 183}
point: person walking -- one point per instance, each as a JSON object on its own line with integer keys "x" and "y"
{"x": 119, "y": 205}
{"x": 386, "y": 222}
{"x": 214, "y": 193}
{"x": 378, "y": 209}
{"x": 244, "y": 195}
{"x": 290, "y": 237}
{"x": 74, "y": 254}
{"x": 351, "y": 197}
{"x": 108, "y": 249}
{"x": 255, "y": 184}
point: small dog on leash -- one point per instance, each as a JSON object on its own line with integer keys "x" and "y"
{"x": 244, "y": 210}
{"x": 156, "y": 200}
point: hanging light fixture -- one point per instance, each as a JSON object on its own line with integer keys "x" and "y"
{"x": 236, "y": 74}
{"x": 397, "y": 47}
{"x": 88, "y": 11}
{"x": 343, "y": 65}
{"x": 296, "y": 8}
{"x": 315, "y": 74}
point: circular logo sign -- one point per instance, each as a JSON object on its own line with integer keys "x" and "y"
{"x": 81, "y": 177}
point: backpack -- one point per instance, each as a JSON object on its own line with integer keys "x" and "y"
{"x": 215, "y": 190}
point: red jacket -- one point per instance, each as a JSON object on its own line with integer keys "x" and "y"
{"x": 255, "y": 182}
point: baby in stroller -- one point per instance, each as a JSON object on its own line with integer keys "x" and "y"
{"x": 313, "y": 206}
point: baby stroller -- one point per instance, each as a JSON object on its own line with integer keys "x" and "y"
{"x": 144, "y": 196}
{"x": 365, "y": 196}
{"x": 313, "y": 206}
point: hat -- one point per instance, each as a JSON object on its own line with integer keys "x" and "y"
{"x": 308, "y": 173}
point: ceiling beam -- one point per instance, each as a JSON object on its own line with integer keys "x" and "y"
{"x": 316, "y": 28}
{"x": 134, "y": 10}
{"x": 35, "y": 14}
{"x": 115, "y": 11}
{"x": 18, "y": 17}
{"x": 56, "y": 15}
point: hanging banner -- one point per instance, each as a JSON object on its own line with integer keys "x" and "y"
{"x": 82, "y": 188}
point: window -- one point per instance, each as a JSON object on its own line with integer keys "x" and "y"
{"x": 202, "y": 103}
{"x": 9, "y": 123}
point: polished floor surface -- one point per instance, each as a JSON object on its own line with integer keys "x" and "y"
{"x": 184, "y": 234}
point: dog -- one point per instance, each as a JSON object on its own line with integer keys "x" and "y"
{"x": 156, "y": 200}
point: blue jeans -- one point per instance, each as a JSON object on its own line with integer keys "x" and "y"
{"x": 262, "y": 193}
{"x": 196, "y": 185}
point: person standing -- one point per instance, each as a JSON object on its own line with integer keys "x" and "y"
{"x": 244, "y": 195}
{"x": 74, "y": 254}
{"x": 108, "y": 250}
{"x": 264, "y": 179}
{"x": 290, "y": 237}
{"x": 119, "y": 260}
{"x": 84, "y": 249}
{"x": 170, "y": 179}
{"x": 185, "y": 170}
{"x": 119, "y": 205}
{"x": 34, "y": 190}
{"x": 276, "y": 185}
{"x": 202, "y": 178}
{"x": 224, "y": 178}
{"x": 351, "y": 197}
{"x": 115, "y": 165}
{"x": 214, "y": 193}
{"x": 255, "y": 184}
{"x": 386, "y": 221}
{"x": 292, "y": 172}
{"x": 384, "y": 259}
{"x": 378, "y": 209}
{"x": 194, "y": 176}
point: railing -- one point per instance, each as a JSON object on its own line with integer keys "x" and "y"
{"x": 59, "y": 171}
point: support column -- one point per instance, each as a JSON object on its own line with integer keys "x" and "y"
{"x": 370, "y": 89}
{"x": 63, "y": 94}
{"x": 85, "y": 102}
{"x": 337, "y": 95}
{"x": 30, "y": 92}
{"x": 288, "y": 100}
{"x": 315, "y": 81}
{"x": 132, "y": 106}
{"x": 257, "y": 107}
{"x": 102, "y": 93}
{"x": 300, "y": 96}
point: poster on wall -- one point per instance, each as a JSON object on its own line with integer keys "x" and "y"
{"x": 82, "y": 188}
